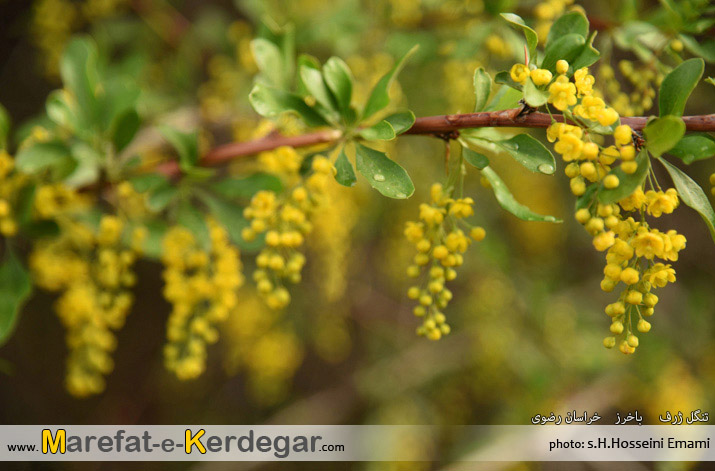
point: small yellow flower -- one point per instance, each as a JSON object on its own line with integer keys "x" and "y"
{"x": 623, "y": 135}
{"x": 477, "y": 233}
{"x": 634, "y": 202}
{"x": 611, "y": 181}
{"x": 519, "y": 73}
{"x": 629, "y": 167}
{"x": 660, "y": 202}
{"x": 584, "y": 81}
{"x": 540, "y": 77}
{"x": 648, "y": 244}
{"x": 603, "y": 241}
{"x": 630, "y": 276}
{"x": 562, "y": 93}
{"x": 562, "y": 67}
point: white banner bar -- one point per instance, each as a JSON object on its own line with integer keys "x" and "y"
{"x": 355, "y": 443}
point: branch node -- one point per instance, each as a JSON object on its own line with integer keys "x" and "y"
{"x": 448, "y": 135}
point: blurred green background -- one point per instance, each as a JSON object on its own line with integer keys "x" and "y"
{"x": 527, "y": 318}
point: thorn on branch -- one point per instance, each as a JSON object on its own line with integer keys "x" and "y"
{"x": 448, "y": 135}
{"x": 525, "y": 110}
{"x": 638, "y": 140}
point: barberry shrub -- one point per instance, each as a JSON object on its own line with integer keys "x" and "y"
{"x": 90, "y": 186}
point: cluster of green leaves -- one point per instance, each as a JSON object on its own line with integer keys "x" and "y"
{"x": 198, "y": 191}
{"x": 648, "y": 37}
{"x": 666, "y": 134}
{"x": 91, "y": 120}
{"x": 322, "y": 97}
{"x": 568, "y": 39}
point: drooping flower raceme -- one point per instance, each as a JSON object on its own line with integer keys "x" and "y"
{"x": 440, "y": 244}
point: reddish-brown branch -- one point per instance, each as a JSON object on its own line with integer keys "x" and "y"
{"x": 429, "y": 125}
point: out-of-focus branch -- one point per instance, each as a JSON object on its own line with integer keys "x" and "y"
{"x": 429, "y": 125}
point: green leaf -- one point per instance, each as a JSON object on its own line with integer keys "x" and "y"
{"x": 125, "y": 128}
{"x": 25, "y": 203}
{"x": 662, "y": 134}
{"x": 79, "y": 72}
{"x": 529, "y": 152}
{"x": 120, "y": 97}
{"x": 61, "y": 111}
{"x": 475, "y": 158}
{"x": 677, "y": 86}
{"x": 383, "y": 173}
{"x": 531, "y": 38}
{"x": 148, "y": 182}
{"x": 506, "y": 199}
{"x": 269, "y": 60}
{"x": 192, "y": 219}
{"x": 585, "y": 199}
{"x": 246, "y": 187}
{"x": 380, "y": 97}
{"x": 345, "y": 173}
{"x": 152, "y": 248}
{"x": 627, "y": 184}
{"x": 52, "y": 156}
{"x": 161, "y": 196}
{"x": 692, "y": 195}
{"x": 570, "y": 23}
{"x": 704, "y": 48}
{"x": 697, "y": 146}
{"x": 482, "y": 89}
{"x": 15, "y": 288}
{"x": 381, "y": 131}
{"x": 566, "y": 47}
{"x": 588, "y": 55}
{"x": 88, "y": 162}
{"x": 41, "y": 228}
{"x": 710, "y": 80}
{"x": 271, "y": 102}
{"x": 340, "y": 81}
{"x": 504, "y": 78}
{"x": 505, "y": 98}
{"x": 401, "y": 121}
{"x": 312, "y": 80}
{"x": 533, "y": 96}
{"x": 186, "y": 145}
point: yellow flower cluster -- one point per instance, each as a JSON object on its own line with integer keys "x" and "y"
{"x": 54, "y": 22}
{"x": 712, "y": 184}
{"x": 10, "y": 184}
{"x": 130, "y": 202}
{"x": 53, "y": 200}
{"x": 93, "y": 271}
{"x": 632, "y": 249}
{"x": 405, "y": 13}
{"x": 439, "y": 251}
{"x": 496, "y": 45}
{"x": 564, "y": 94}
{"x": 262, "y": 343}
{"x": 587, "y": 160}
{"x": 632, "y": 246}
{"x": 228, "y": 76}
{"x": 643, "y": 79}
{"x": 202, "y": 287}
{"x": 285, "y": 221}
